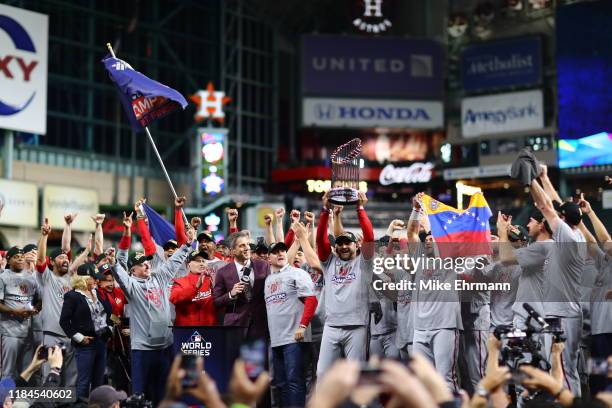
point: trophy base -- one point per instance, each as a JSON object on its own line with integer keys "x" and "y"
{"x": 343, "y": 196}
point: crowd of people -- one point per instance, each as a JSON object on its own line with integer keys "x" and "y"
{"x": 338, "y": 333}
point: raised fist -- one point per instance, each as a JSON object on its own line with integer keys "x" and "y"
{"x": 309, "y": 217}
{"x": 268, "y": 219}
{"x": 98, "y": 218}
{"x": 294, "y": 215}
{"x": 232, "y": 214}
{"x": 279, "y": 213}
{"x": 179, "y": 202}
{"x": 69, "y": 218}
{"x": 196, "y": 222}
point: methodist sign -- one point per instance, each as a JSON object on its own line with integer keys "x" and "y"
{"x": 502, "y": 113}
{"x": 23, "y": 70}
{"x": 502, "y": 64}
{"x": 337, "y": 66}
{"x": 369, "y": 113}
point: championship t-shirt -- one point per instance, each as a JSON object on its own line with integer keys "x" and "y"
{"x": 347, "y": 285}
{"x": 562, "y": 274}
{"x": 601, "y": 308}
{"x": 53, "y": 288}
{"x": 17, "y": 291}
{"x": 282, "y": 293}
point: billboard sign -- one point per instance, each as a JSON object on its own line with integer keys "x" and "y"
{"x": 370, "y": 113}
{"x": 364, "y": 66}
{"x": 19, "y": 203}
{"x": 502, "y": 64}
{"x": 60, "y": 200}
{"x": 23, "y": 70}
{"x": 502, "y": 113}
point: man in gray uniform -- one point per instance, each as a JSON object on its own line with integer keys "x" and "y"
{"x": 382, "y": 340}
{"x": 563, "y": 273}
{"x": 18, "y": 289}
{"x": 348, "y": 277}
{"x": 151, "y": 337}
{"x": 54, "y": 283}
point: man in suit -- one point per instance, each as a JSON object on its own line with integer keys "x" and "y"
{"x": 239, "y": 289}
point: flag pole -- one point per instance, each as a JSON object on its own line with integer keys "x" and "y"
{"x": 161, "y": 162}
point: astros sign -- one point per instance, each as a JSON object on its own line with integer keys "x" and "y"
{"x": 23, "y": 70}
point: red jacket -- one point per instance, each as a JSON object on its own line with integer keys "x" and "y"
{"x": 193, "y": 307}
{"x": 116, "y": 298}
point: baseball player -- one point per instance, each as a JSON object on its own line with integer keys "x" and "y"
{"x": 18, "y": 289}
{"x": 437, "y": 313}
{"x": 348, "y": 278}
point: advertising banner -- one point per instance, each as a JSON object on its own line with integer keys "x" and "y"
{"x": 502, "y": 64}
{"x": 365, "y": 66}
{"x": 23, "y": 70}
{"x": 60, "y": 200}
{"x": 20, "y": 204}
{"x": 369, "y": 113}
{"x": 502, "y": 113}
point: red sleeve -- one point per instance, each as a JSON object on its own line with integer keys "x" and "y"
{"x": 180, "y": 293}
{"x": 310, "y": 306}
{"x": 323, "y": 246}
{"x": 145, "y": 235}
{"x": 289, "y": 238}
{"x": 3, "y": 254}
{"x": 368, "y": 233}
{"x": 179, "y": 227}
{"x": 233, "y": 229}
{"x": 40, "y": 267}
{"x": 126, "y": 242}
{"x": 403, "y": 244}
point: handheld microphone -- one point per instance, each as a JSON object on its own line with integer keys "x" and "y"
{"x": 535, "y": 315}
{"x": 247, "y": 284}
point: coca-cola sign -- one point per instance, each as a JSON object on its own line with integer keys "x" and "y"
{"x": 415, "y": 173}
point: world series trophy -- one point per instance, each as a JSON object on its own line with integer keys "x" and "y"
{"x": 345, "y": 173}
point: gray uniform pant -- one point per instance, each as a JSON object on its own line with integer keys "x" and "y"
{"x": 572, "y": 328}
{"x": 383, "y": 345}
{"x": 474, "y": 356}
{"x": 17, "y": 353}
{"x": 441, "y": 347}
{"x": 349, "y": 341}
{"x": 69, "y": 368}
{"x": 405, "y": 352}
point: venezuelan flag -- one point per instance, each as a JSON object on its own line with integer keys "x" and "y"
{"x": 459, "y": 232}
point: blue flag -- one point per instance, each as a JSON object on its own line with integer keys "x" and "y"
{"x": 144, "y": 100}
{"x": 161, "y": 230}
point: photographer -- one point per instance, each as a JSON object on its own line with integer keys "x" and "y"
{"x": 84, "y": 319}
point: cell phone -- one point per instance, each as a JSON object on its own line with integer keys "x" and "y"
{"x": 43, "y": 353}
{"x": 253, "y": 354}
{"x": 598, "y": 366}
{"x": 188, "y": 363}
{"x": 369, "y": 375}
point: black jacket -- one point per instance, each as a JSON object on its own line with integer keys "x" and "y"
{"x": 76, "y": 316}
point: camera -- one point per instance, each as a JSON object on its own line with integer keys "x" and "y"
{"x": 521, "y": 348}
{"x": 136, "y": 401}
{"x": 43, "y": 353}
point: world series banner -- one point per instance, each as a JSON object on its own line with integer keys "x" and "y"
{"x": 219, "y": 347}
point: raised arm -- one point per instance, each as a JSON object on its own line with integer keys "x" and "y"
{"x": 544, "y": 203}
{"x": 45, "y": 230}
{"x": 167, "y": 271}
{"x": 367, "y": 230}
{"x": 338, "y": 227}
{"x": 506, "y": 254}
{"x": 82, "y": 258}
{"x": 413, "y": 221}
{"x": 301, "y": 232}
{"x": 232, "y": 218}
{"x": 179, "y": 221}
{"x": 600, "y": 229}
{"x": 98, "y": 219}
{"x": 310, "y": 222}
{"x": 547, "y": 185}
{"x": 67, "y": 233}
{"x": 268, "y": 231}
{"x": 323, "y": 245}
{"x": 145, "y": 235}
{"x": 279, "y": 214}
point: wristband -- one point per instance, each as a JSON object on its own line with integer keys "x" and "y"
{"x": 303, "y": 326}
{"x": 414, "y": 215}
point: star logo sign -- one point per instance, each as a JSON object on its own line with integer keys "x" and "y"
{"x": 210, "y": 104}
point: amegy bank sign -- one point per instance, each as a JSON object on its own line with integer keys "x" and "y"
{"x": 360, "y": 113}
{"x": 23, "y": 70}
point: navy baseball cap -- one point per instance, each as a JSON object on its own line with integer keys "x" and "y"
{"x": 570, "y": 211}
{"x": 170, "y": 244}
{"x": 56, "y": 252}
{"x": 138, "y": 259}
{"x": 29, "y": 247}
{"x": 346, "y": 236}
{"x": 278, "y": 246}
{"x": 194, "y": 254}
{"x": 223, "y": 243}
{"x": 87, "y": 269}
{"x": 206, "y": 236}
{"x": 16, "y": 250}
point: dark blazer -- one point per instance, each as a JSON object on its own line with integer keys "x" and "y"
{"x": 76, "y": 316}
{"x": 238, "y": 312}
